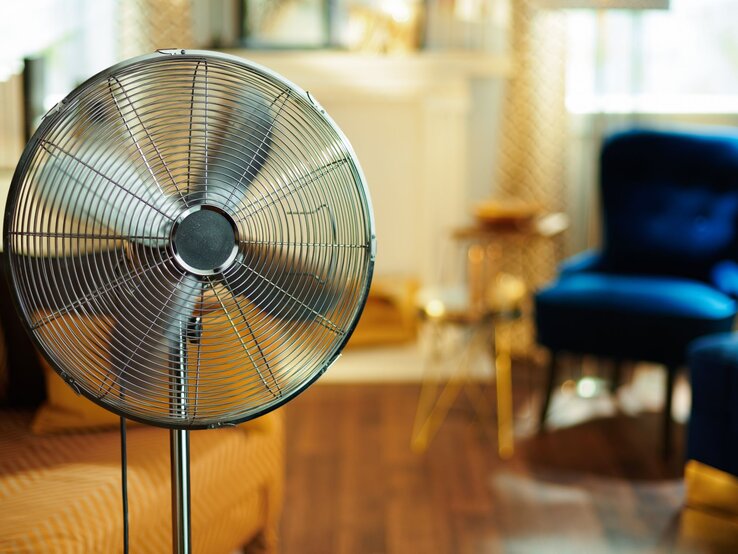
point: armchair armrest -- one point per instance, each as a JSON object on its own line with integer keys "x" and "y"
{"x": 724, "y": 276}
{"x": 589, "y": 260}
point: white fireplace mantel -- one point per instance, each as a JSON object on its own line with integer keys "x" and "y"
{"x": 410, "y": 119}
{"x": 383, "y": 77}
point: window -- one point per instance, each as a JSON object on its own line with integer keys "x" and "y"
{"x": 684, "y": 59}
{"x": 73, "y": 38}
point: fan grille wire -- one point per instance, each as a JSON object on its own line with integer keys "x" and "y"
{"x": 89, "y": 236}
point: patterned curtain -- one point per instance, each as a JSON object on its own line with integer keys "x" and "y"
{"x": 533, "y": 140}
{"x": 148, "y": 25}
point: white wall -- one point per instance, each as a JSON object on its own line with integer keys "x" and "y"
{"x": 424, "y": 127}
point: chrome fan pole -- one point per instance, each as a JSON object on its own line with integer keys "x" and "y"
{"x": 180, "y": 458}
{"x": 179, "y": 445}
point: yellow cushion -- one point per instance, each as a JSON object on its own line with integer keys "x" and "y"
{"x": 389, "y": 313}
{"x": 706, "y": 531}
{"x": 709, "y": 521}
{"x": 64, "y": 411}
{"x": 711, "y": 489}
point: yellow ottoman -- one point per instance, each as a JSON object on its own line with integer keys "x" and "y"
{"x": 710, "y": 516}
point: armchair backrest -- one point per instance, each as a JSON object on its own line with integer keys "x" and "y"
{"x": 670, "y": 201}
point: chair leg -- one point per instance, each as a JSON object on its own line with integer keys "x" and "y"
{"x": 550, "y": 383}
{"x": 667, "y": 426}
{"x": 617, "y": 376}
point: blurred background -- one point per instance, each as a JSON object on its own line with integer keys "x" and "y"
{"x": 479, "y": 125}
{"x": 427, "y": 69}
{"x": 447, "y": 102}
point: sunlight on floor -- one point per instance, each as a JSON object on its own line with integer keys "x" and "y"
{"x": 641, "y": 392}
{"x": 593, "y": 513}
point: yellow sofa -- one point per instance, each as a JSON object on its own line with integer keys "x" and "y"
{"x": 61, "y": 493}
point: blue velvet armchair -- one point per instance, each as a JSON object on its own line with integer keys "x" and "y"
{"x": 666, "y": 273}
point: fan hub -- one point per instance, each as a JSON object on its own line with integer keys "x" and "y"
{"x": 205, "y": 240}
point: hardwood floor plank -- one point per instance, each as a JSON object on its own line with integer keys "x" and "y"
{"x": 361, "y": 518}
{"x": 355, "y": 487}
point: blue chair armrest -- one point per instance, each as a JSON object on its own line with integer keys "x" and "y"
{"x": 589, "y": 260}
{"x": 724, "y": 277}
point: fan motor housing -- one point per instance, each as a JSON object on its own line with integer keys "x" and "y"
{"x": 205, "y": 240}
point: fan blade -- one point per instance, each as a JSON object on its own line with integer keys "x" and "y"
{"x": 117, "y": 196}
{"x": 79, "y": 284}
{"x": 285, "y": 285}
{"x": 241, "y": 137}
{"x": 139, "y": 304}
{"x": 149, "y": 338}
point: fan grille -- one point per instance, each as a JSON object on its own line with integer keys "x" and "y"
{"x": 96, "y": 211}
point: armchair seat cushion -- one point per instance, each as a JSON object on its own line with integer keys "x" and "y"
{"x": 639, "y": 317}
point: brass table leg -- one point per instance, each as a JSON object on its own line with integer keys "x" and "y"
{"x": 502, "y": 351}
{"x": 433, "y": 408}
{"x": 428, "y": 393}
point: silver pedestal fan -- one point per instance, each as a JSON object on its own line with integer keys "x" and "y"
{"x": 190, "y": 243}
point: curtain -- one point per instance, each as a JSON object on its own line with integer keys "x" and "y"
{"x": 533, "y": 140}
{"x": 148, "y": 25}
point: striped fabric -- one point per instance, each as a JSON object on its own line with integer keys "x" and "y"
{"x": 61, "y": 493}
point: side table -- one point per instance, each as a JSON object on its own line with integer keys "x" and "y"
{"x": 484, "y": 330}
{"x": 484, "y": 310}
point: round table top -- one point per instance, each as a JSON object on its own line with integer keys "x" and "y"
{"x": 544, "y": 226}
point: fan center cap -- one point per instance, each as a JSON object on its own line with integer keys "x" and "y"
{"x": 205, "y": 240}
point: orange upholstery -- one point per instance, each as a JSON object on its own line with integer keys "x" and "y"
{"x": 61, "y": 493}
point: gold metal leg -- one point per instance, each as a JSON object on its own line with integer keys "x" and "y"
{"x": 433, "y": 408}
{"x": 502, "y": 348}
{"x": 473, "y": 388}
{"x": 428, "y": 392}
{"x": 436, "y": 416}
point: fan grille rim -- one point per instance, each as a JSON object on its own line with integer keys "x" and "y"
{"x": 14, "y": 196}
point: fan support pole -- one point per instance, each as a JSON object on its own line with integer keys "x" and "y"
{"x": 179, "y": 441}
{"x": 179, "y": 451}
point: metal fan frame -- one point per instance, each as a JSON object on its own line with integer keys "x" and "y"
{"x": 51, "y": 117}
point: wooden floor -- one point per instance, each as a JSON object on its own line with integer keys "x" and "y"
{"x": 354, "y": 486}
